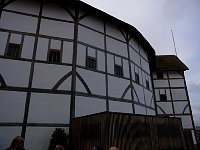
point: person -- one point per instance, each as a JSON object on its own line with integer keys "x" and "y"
{"x": 59, "y": 147}
{"x": 113, "y": 148}
{"x": 17, "y": 144}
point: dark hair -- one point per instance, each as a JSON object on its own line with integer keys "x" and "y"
{"x": 17, "y": 143}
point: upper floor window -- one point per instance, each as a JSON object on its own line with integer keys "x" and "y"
{"x": 118, "y": 70}
{"x": 54, "y": 56}
{"x": 13, "y": 50}
{"x": 91, "y": 63}
{"x": 163, "y": 97}
{"x": 137, "y": 79}
{"x": 147, "y": 84}
{"x": 159, "y": 75}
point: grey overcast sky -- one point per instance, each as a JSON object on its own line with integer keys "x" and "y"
{"x": 155, "y": 19}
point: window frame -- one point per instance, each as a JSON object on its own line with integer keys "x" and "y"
{"x": 137, "y": 78}
{"x": 55, "y": 51}
{"x": 160, "y": 75}
{"x": 8, "y": 51}
{"x": 91, "y": 60}
{"x": 118, "y": 70}
{"x": 147, "y": 84}
{"x": 163, "y": 97}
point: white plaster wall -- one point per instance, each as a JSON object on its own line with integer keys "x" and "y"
{"x": 94, "y": 80}
{"x": 123, "y": 107}
{"x": 113, "y": 31}
{"x": 81, "y": 55}
{"x": 177, "y": 83}
{"x": 91, "y": 52}
{"x": 118, "y": 61}
{"x": 93, "y": 38}
{"x": 145, "y": 65}
{"x": 17, "y": 22}
{"x": 55, "y": 44}
{"x": 151, "y": 112}
{"x": 47, "y": 75}
{"x": 179, "y": 94}
{"x": 126, "y": 68}
{"x": 139, "y": 92}
{"x": 116, "y": 47}
{"x": 49, "y": 108}
{"x": 93, "y": 22}
{"x": 133, "y": 71}
{"x": 157, "y": 96}
{"x": 55, "y": 11}
{"x": 29, "y": 7}
{"x": 86, "y": 106}
{"x": 186, "y": 121}
{"x": 3, "y": 41}
{"x": 168, "y": 94}
{"x": 134, "y": 56}
{"x": 174, "y": 74}
{"x": 148, "y": 97}
{"x": 140, "y": 109}
{"x": 57, "y": 28}
{"x": 100, "y": 61}
{"x": 161, "y": 83}
{"x": 38, "y": 138}
{"x": 143, "y": 52}
{"x": 133, "y": 43}
{"x": 110, "y": 63}
{"x": 66, "y": 85}
{"x": 117, "y": 86}
{"x": 166, "y": 106}
{"x": 14, "y": 72}
{"x": 7, "y": 135}
{"x": 15, "y": 38}
{"x": 12, "y": 106}
{"x": 128, "y": 95}
{"x": 42, "y": 49}
{"x": 67, "y": 52}
{"x": 179, "y": 107}
{"x": 28, "y": 46}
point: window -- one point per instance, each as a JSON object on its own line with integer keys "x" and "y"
{"x": 91, "y": 63}
{"x": 147, "y": 84}
{"x": 118, "y": 71}
{"x": 13, "y": 50}
{"x": 163, "y": 97}
{"x": 54, "y": 56}
{"x": 159, "y": 75}
{"x": 137, "y": 79}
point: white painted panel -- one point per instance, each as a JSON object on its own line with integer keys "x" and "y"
{"x": 90, "y": 37}
{"x": 186, "y": 121}
{"x": 133, "y": 71}
{"x": 140, "y": 109}
{"x": 140, "y": 93}
{"x": 29, "y": 7}
{"x": 67, "y": 52}
{"x": 180, "y": 106}
{"x": 80, "y": 86}
{"x": 81, "y": 55}
{"x": 143, "y": 52}
{"x": 15, "y": 38}
{"x": 66, "y": 85}
{"x": 49, "y": 108}
{"x": 47, "y": 75}
{"x": 154, "y": 75}
{"x": 57, "y": 28}
{"x": 151, "y": 112}
{"x": 140, "y": 75}
{"x": 117, "y": 86}
{"x": 101, "y": 61}
{"x": 166, "y": 106}
{"x": 55, "y": 11}
{"x": 95, "y": 81}
{"x": 28, "y": 46}
{"x": 38, "y": 138}
{"x": 55, "y": 44}
{"x": 118, "y": 61}
{"x": 128, "y": 95}
{"x": 134, "y": 44}
{"x": 115, "y": 106}
{"x": 161, "y": 83}
{"x": 117, "y": 47}
{"x": 7, "y": 135}
{"x": 175, "y": 74}
{"x": 145, "y": 65}
{"x": 134, "y": 56}
{"x": 42, "y": 49}
{"x": 93, "y": 22}
{"x": 110, "y": 63}
{"x": 157, "y": 95}
{"x": 86, "y": 106}
{"x": 126, "y": 68}
{"x": 17, "y": 22}
{"x": 177, "y": 83}
{"x": 113, "y": 31}
{"x": 162, "y": 91}
{"x": 3, "y": 41}
{"x": 14, "y": 72}
{"x": 179, "y": 94}
{"x": 92, "y": 52}
{"x": 12, "y": 106}
{"x": 148, "y": 97}
{"x": 168, "y": 94}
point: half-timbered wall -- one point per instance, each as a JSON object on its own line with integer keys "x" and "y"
{"x": 38, "y": 95}
{"x": 176, "y": 104}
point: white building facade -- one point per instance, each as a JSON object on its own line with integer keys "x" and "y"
{"x": 65, "y": 60}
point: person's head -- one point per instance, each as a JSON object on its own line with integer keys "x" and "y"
{"x": 59, "y": 147}
{"x": 17, "y": 143}
{"x": 113, "y": 148}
